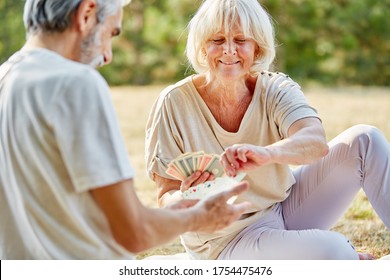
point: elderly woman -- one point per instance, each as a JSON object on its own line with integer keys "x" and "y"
{"x": 261, "y": 123}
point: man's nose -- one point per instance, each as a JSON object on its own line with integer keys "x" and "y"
{"x": 107, "y": 56}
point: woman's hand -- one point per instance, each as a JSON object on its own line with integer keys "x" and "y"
{"x": 169, "y": 191}
{"x": 306, "y": 143}
{"x": 242, "y": 157}
{"x": 194, "y": 179}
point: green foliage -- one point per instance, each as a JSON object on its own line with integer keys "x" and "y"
{"x": 151, "y": 49}
{"x": 342, "y": 41}
{"x": 339, "y": 41}
{"x": 12, "y": 32}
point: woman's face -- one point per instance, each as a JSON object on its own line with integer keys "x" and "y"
{"x": 230, "y": 54}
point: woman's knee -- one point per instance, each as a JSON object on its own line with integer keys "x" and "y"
{"x": 361, "y": 138}
{"x": 369, "y": 133}
{"x": 335, "y": 246}
{"x": 364, "y": 131}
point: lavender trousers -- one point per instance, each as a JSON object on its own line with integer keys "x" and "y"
{"x": 298, "y": 227}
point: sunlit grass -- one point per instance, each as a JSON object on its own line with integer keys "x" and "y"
{"x": 361, "y": 209}
{"x": 339, "y": 109}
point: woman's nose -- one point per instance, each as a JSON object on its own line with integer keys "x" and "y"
{"x": 230, "y": 48}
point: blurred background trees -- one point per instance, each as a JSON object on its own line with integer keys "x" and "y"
{"x": 329, "y": 42}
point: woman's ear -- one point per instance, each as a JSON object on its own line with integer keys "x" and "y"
{"x": 86, "y": 16}
{"x": 258, "y": 52}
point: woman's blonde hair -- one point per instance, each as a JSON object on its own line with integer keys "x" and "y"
{"x": 215, "y": 15}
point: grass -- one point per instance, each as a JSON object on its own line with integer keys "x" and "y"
{"x": 339, "y": 109}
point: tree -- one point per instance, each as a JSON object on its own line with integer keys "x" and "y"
{"x": 339, "y": 41}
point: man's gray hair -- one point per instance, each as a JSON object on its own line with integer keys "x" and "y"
{"x": 55, "y": 15}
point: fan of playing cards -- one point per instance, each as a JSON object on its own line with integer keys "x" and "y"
{"x": 186, "y": 164}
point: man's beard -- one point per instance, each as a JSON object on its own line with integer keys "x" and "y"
{"x": 88, "y": 47}
{"x": 98, "y": 61}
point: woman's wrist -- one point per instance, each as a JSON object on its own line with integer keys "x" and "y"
{"x": 170, "y": 197}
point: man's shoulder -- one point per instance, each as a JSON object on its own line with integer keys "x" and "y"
{"x": 54, "y": 66}
{"x": 80, "y": 74}
{"x": 76, "y": 71}
{"x": 56, "y": 77}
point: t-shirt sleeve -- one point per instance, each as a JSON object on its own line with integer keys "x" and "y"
{"x": 88, "y": 133}
{"x": 287, "y": 103}
{"x": 163, "y": 139}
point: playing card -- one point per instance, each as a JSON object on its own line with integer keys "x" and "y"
{"x": 198, "y": 161}
{"x": 189, "y": 160}
{"x": 206, "y": 158}
{"x": 210, "y": 188}
{"x": 182, "y": 166}
{"x": 239, "y": 176}
{"x": 188, "y": 163}
{"x": 215, "y": 167}
{"x": 195, "y": 159}
{"x": 183, "y": 155}
{"x": 195, "y": 192}
{"x": 171, "y": 170}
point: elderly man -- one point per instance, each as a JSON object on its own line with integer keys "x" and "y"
{"x": 66, "y": 189}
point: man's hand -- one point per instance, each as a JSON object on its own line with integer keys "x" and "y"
{"x": 214, "y": 213}
{"x": 139, "y": 228}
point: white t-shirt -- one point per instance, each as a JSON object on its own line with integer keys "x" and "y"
{"x": 181, "y": 122}
{"x": 59, "y": 138}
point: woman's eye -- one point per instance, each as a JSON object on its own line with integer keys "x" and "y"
{"x": 218, "y": 41}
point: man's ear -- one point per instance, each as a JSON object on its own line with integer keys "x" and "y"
{"x": 86, "y": 16}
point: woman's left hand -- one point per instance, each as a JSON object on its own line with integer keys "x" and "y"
{"x": 194, "y": 179}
